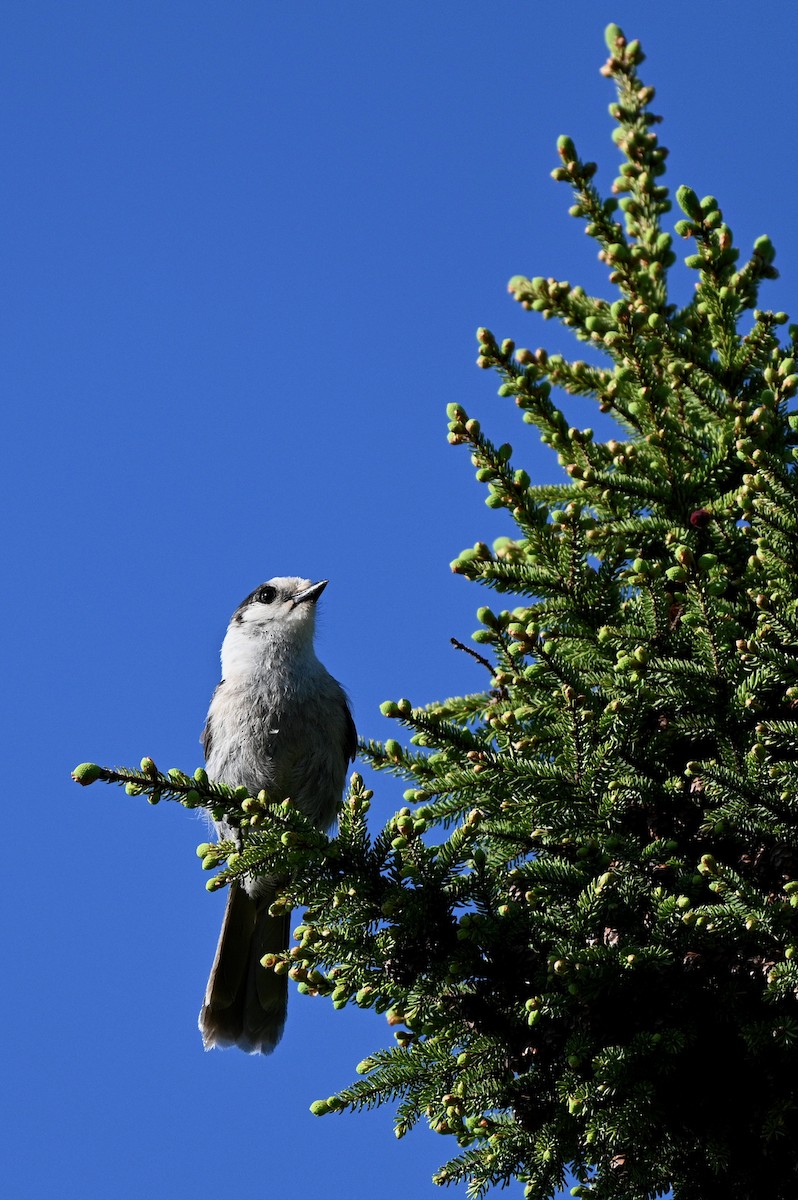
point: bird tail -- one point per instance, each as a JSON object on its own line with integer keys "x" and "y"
{"x": 245, "y": 1003}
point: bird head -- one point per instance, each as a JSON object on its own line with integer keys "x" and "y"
{"x": 280, "y": 611}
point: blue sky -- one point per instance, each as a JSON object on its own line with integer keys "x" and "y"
{"x": 246, "y": 249}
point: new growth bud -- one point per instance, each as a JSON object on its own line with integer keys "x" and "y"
{"x": 613, "y": 36}
{"x": 86, "y": 773}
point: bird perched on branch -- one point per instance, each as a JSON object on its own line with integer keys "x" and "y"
{"x": 278, "y": 721}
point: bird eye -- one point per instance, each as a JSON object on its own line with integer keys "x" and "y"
{"x": 266, "y": 595}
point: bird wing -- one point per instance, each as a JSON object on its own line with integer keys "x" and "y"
{"x": 206, "y": 737}
{"x": 350, "y": 733}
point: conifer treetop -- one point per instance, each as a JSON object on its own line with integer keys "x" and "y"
{"x": 581, "y": 926}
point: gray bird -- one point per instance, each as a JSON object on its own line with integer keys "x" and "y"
{"x": 279, "y": 721}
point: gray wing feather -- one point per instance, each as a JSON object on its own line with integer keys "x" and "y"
{"x": 350, "y": 733}
{"x": 206, "y": 737}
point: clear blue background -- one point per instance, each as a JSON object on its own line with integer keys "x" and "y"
{"x": 245, "y": 249}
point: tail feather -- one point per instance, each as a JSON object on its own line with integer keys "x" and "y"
{"x": 245, "y": 1004}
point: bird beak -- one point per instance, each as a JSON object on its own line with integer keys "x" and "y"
{"x": 312, "y": 593}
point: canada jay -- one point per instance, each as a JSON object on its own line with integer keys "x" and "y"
{"x": 279, "y": 721}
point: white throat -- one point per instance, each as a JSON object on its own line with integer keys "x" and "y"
{"x": 247, "y": 654}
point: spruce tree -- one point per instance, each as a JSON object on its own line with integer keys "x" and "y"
{"x": 582, "y": 926}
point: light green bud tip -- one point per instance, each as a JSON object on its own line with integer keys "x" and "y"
{"x": 565, "y": 148}
{"x": 204, "y": 849}
{"x": 689, "y": 202}
{"x": 611, "y": 35}
{"x": 319, "y": 1108}
{"x": 86, "y": 773}
{"x": 389, "y": 708}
